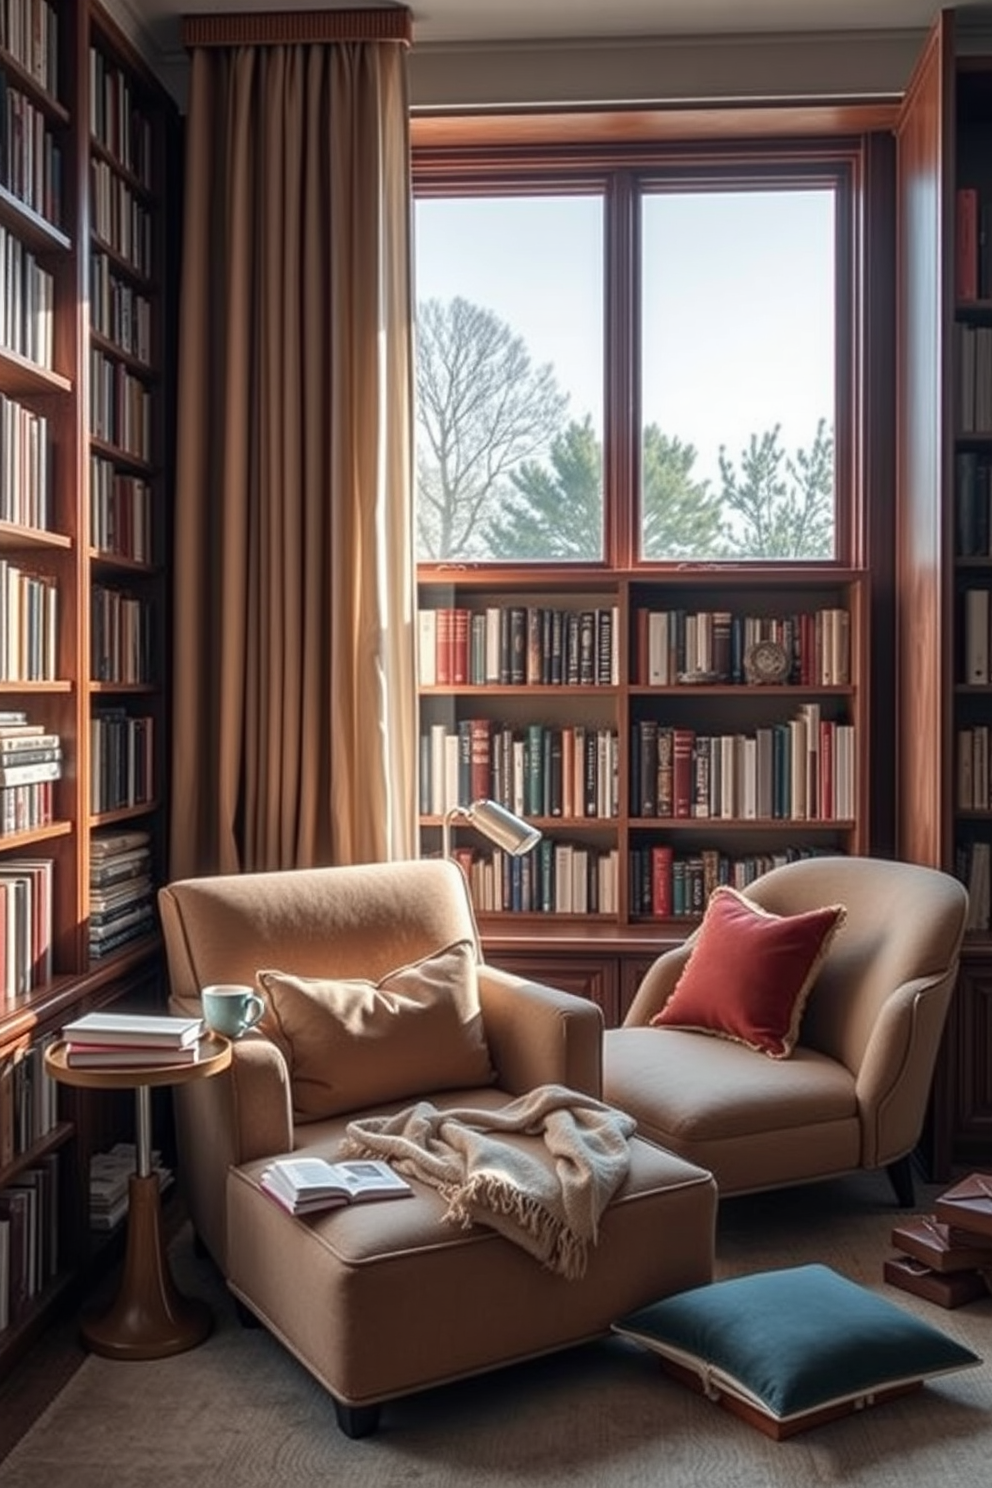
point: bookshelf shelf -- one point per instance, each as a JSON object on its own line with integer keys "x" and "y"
{"x": 503, "y": 713}
{"x": 60, "y": 952}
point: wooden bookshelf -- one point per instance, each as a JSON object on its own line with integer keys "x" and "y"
{"x": 86, "y": 414}
{"x": 944, "y": 440}
{"x": 539, "y": 689}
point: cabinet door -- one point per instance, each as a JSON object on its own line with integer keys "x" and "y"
{"x": 633, "y": 970}
{"x": 586, "y": 976}
{"x": 969, "y": 1047}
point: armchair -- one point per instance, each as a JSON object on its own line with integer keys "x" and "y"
{"x": 382, "y": 1299}
{"x": 853, "y": 1093}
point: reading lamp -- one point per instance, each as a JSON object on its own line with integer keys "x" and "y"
{"x": 511, "y": 833}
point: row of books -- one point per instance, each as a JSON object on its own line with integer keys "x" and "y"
{"x": 30, "y": 158}
{"x": 27, "y": 302}
{"x": 540, "y": 770}
{"x": 24, "y": 808}
{"x": 972, "y": 245}
{"x": 119, "y": 126}
{"x": 800, "y": 770}
{"x": 668, "y": 884}
{"x": 518, "y": 646}
{"x": 29, "y": 1237}
{"x": 120, "y": 406}
{"x": 972, "y": 504}
{"x": 25, "y": 925}
{"x": 25, "y": 471}
{"x": 119, "y": 217}
{"x": 29, "y": 616}
{"x": 118, "y": 311}
{"x": 122, "y": 894}
{"x": 946, "y": 1256}
{"x": 29, "y": 31}
{"x": 121, "y": 639}
{"x": 974, "y": 790}
{"x": 28, "y": 1100}
{"x": 120, "y": 512}
{"x": 975, "y": 663}
{"x": 673, "y": 646}
{"x": 554, "y": 878}
{"x": 973, "y": 866}
{"x": 973, "y": 347}
{"x": 121, "y": 760}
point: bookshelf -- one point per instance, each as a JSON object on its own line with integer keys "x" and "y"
{"x": 88, "y": 141}
{"x": 567, "y": 696}
{"x": 944, "y": 581}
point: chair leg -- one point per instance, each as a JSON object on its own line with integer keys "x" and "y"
{"x": 246, "y": 1317}
{"x": 357, "y": 1420}
{"x": 901, "y": 1177}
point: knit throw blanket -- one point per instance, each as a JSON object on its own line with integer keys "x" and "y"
{"x": 546, "y": 1194}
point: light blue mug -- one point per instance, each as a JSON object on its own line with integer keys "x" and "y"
{"x": 231, "y": 1009}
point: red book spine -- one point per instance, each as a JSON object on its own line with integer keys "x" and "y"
{"x": 966, "y": 244}
{"x": 661, "y": 880}
{"x": 444, "y": 637}
{"x": 826, "y": 811}
{"x": 461, "y": 624}
{"x": 682, "y": 771}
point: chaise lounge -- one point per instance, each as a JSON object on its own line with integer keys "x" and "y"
{"x": 359, "y": 967}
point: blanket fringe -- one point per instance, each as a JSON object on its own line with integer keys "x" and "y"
{"x": 558, "y": 1246}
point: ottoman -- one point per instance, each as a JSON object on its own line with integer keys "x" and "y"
{"x": 381, "y": 1299}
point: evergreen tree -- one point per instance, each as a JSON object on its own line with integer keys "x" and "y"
{"x": 555, "y": 513}
{"x": 680, "y": 517}
{"x": 483, "y": 409}
{"x": 781, "y": 507}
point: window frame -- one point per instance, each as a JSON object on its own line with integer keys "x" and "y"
{"x": 622, "y": 171}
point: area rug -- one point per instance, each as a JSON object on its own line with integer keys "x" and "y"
{"x": 240, "y": 1411}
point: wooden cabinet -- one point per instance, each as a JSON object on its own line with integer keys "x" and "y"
{"x": 623, "y": 715}
{"x": 86, "y": 315}
{"x": 944, "y": 571}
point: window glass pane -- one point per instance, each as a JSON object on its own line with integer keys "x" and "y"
{"x": 738, "y": 369}
{"x": 510, "y": 378}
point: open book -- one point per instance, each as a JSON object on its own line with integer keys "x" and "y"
{"x": 305, "y": 1184}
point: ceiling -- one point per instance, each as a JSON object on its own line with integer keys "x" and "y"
{"x": 476, "y": 21}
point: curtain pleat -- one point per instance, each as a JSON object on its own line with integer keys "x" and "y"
{"x": 294, "y": 738}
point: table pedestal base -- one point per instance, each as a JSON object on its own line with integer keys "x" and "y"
{"x": 150, "y": 1317}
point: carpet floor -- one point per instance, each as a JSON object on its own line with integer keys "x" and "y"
{"x": 240, "y": 1411}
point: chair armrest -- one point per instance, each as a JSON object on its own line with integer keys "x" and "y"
{"x": 539, "y": 1035}
{"x": 657, "y": 986}
{"x": 232, "y": 1118}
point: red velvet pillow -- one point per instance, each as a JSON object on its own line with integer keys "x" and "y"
{"x": 750, "y": 972}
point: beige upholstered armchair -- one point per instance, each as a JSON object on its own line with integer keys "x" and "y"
{"x": 381, "y": 1299}
{"x": 853, "y": 1092}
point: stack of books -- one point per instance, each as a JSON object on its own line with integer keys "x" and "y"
{"x": 946, "y": 1256}
{"x": 122, "y": 905}
{"x": 109, "y": 1040}
{"x": 110, "y": 1175}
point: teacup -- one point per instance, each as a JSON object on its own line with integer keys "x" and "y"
{"x": 231, "y": 1009}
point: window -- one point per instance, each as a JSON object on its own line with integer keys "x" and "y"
{"x": 509, "y": 296}
{"x": 647, "y": 362}
{"x": 738, "y": 371}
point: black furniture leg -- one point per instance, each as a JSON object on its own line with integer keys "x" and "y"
{"x": 357, "y": 1420}
{"x": 246, "y": 1317}
{"x": 901, "y": 1177}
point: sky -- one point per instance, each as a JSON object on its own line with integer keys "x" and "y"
{"x": 738, "y": 305}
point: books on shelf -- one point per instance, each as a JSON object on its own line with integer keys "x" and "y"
{"x": 304, "y": 1185}
{"x": 110, "y": 1178}
{"x": 138, "y": 1032}
{"x": 518, "y": 645}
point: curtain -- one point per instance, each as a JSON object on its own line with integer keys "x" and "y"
{"x": 294, "y": 726}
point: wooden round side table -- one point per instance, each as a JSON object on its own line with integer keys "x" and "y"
{"x": 150, "y": 1318}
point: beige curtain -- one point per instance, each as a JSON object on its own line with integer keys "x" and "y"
{"x": 294, "y": 738}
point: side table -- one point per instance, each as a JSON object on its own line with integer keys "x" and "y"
{"x": 150, "y": 1318}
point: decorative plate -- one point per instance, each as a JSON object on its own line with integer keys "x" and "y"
{"x": 766, "y": 661}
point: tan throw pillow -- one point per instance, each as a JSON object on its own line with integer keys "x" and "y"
{"x": 353, "y": 1043}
